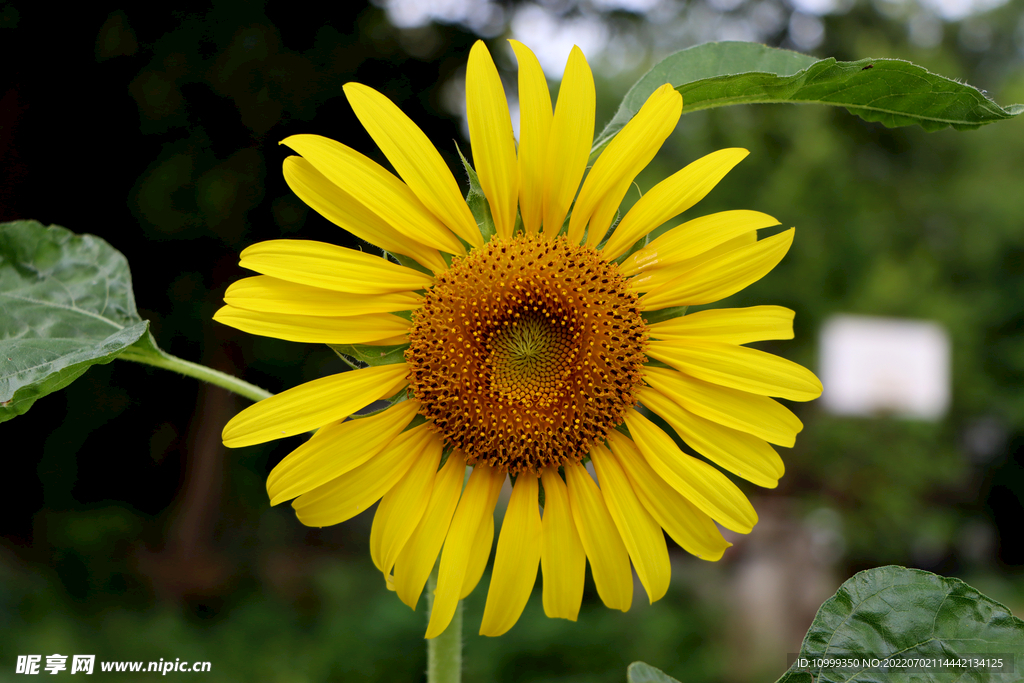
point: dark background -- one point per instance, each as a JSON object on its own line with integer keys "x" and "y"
{"x": 129, "y": 532}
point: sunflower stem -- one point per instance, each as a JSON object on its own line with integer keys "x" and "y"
{"x": 162, "y": 359}
{"x": 444, "y": 653}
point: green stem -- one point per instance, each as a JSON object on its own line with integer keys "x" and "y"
{"x": 162, "y": 359}
{"x": 444, "y": 653}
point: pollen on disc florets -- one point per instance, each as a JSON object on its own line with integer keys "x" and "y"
{"x": 527, "y": 351}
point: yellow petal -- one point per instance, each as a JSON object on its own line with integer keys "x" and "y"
{"x": 267, "y": 294}
{"x": 490, "y": 134}
{"x": 346, "y": 496}
{"x": 356, "y": 329}
{"x": 415, "y": 158}
{"x": 477, "y": 503}
{"x": 376, "y": 189}
{"x": 624, "y": 157}
{"x": 329, "y": 266}
{"x": 609, "y": 560}
{"x": 563, "y": 560}
{"x": 569, "y": 140}
{"x": 691, "y": 239}
{"x": 740, "y": 453}
{"x": 405, "y": 504}
{"x": 671, "y": 197}
{"x": 381, "y": 517}
{"x": 336, "y": 449}
{"x": 345, "y": 211}
{"x": 738, "y": 367}
{"x": 418, "y": 556}
{"x": 516, "y": 560}
{"x": 721, "y": 276}
{"x": 313, "y": 404}
{"x": 534, "y": 128}
{"x": 688, "y": 526}
{"x": 751, "y": 413}
{"x": 398, "y": 340}
{"x": 479, "y": 554}
{"x": 657, "y": 277}
{"x": 667, "y": 273}
{"x": 702, "y": 484}
{"x": 730, "y": 325}
{"x": 640, "y": 533}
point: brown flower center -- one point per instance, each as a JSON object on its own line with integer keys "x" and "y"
{"x": 526, "y": 352}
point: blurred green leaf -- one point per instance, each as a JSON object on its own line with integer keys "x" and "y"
{"x": 638, "y": 672}
{"x": 890, "y": 91}
{"x": 66, "y": 303}
{"x": 894, "y": 611}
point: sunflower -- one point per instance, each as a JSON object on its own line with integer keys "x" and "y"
{"x": 522, "y": 339}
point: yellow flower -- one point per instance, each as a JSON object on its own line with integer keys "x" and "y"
{"x": 530, "y": 346}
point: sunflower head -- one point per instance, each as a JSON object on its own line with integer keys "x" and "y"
{"x": 526, "y": 352}
{"x": 529, "y": 346}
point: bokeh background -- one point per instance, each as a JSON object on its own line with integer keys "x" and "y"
{"x": 127, "y": 531}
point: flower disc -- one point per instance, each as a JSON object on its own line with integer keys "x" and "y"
{"x": 525, "y": 352}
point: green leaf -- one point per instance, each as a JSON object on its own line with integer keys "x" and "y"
{"x": 66, "y": 303}
{"x": 903, "y": 614}
{"x": 638, "y": 672}
{"x": 797, "y": 677}
{"x": 890, "y": 91}
{"x": 908, "y": 613}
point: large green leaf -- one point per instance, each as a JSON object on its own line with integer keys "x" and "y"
{"x": 907, "y": 614}
{"x": 902, "y": 614}
{"x": 66, "y": 303}
{"x": 890, "y": 91}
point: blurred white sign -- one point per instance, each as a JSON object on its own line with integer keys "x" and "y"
{"x": 885, "y": 366}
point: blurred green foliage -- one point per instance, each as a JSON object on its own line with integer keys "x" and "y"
{"x": 339, "y": 624}
{"x": 135, "y": 536}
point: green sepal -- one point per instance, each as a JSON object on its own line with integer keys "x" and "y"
{"x": 623, "y": 429}
{"x": 417, "y": 420}
{"x": 662, "y": 314}
{"x": 637, "y": 246}
{"x": 394, "y": 399}
{"x": 408, "y": 262}
{"x": 370, "y": 355}
{"x": 404, "y": 315}
{"x": 519, "y": 228}
{"x": 477, "y": 201}
{"x": 607, "y": 233}
{"x": 652, "y": 363}
{"x": 445, "y": 454}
